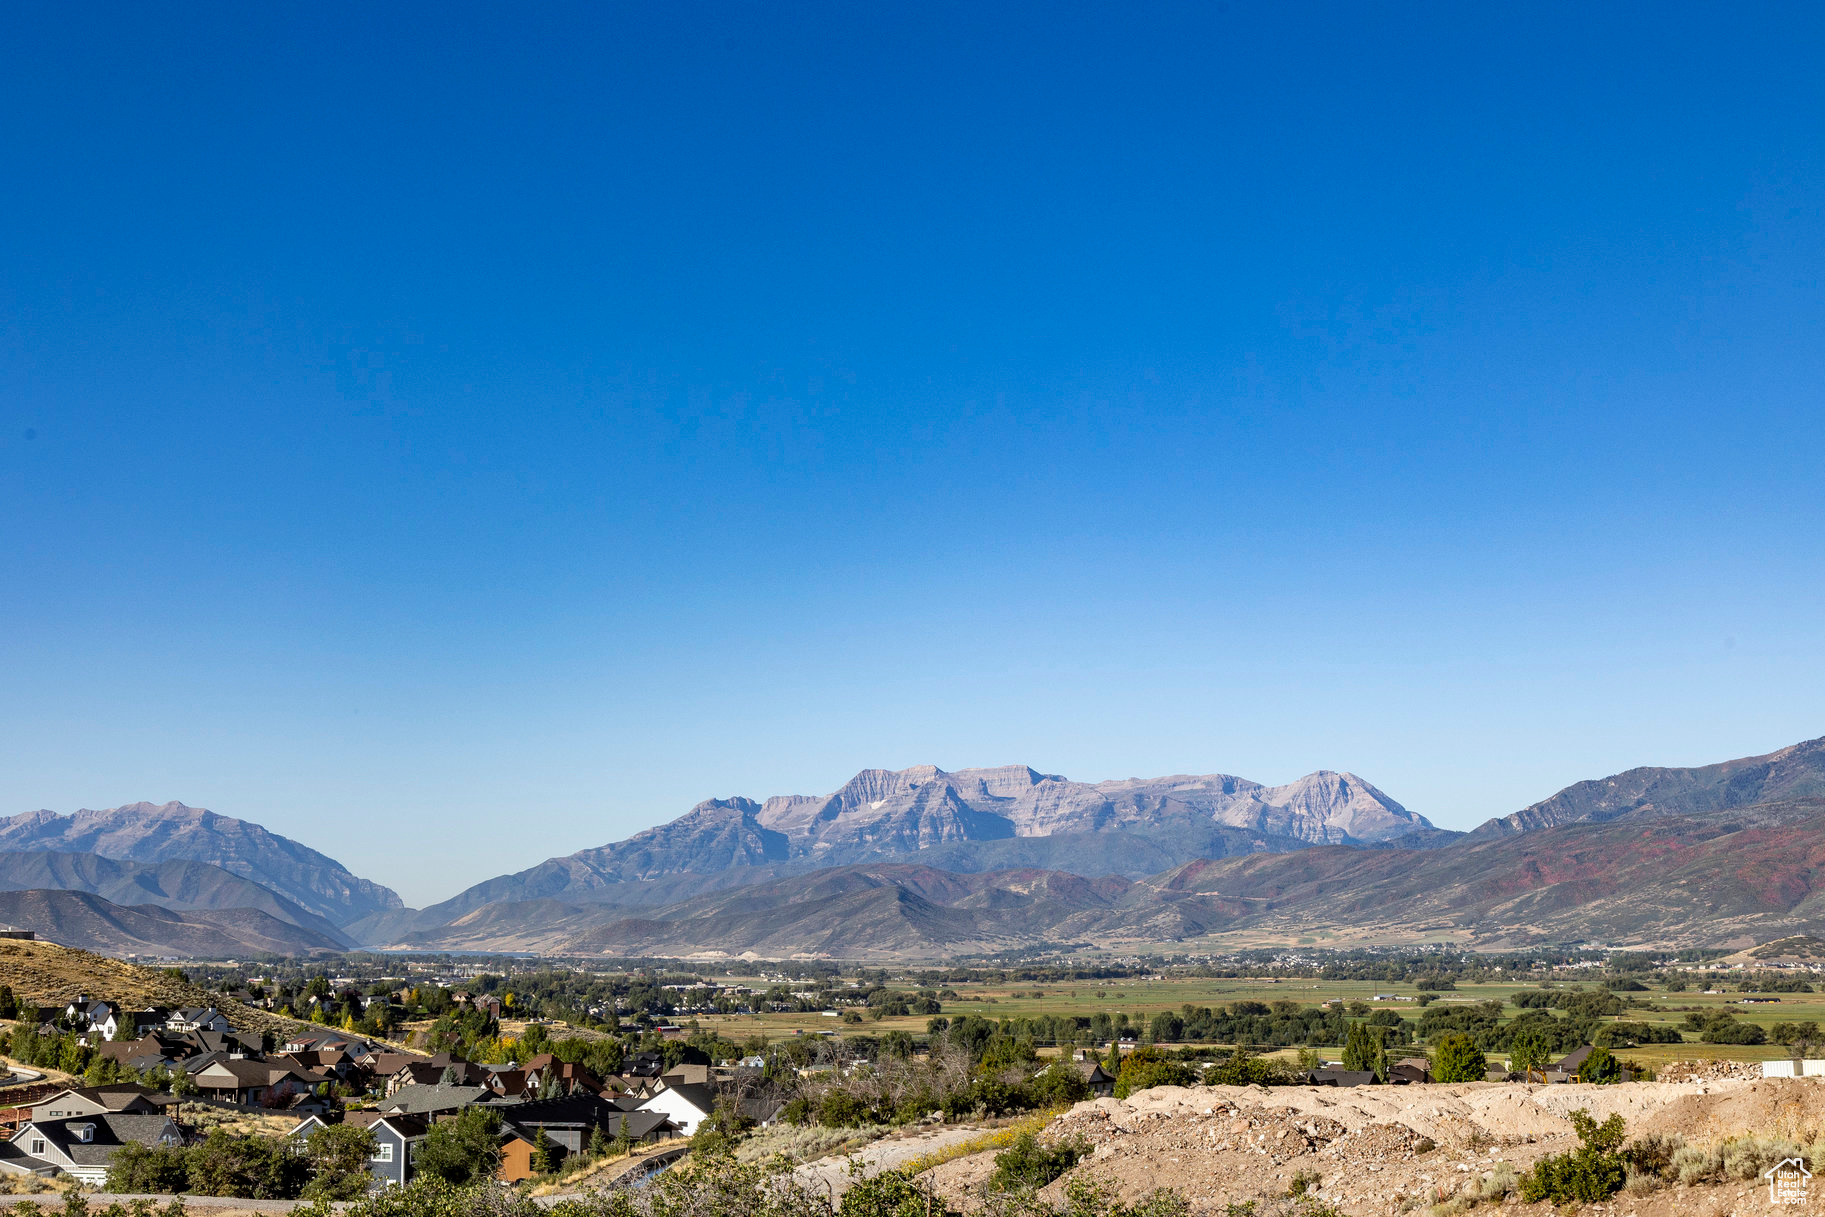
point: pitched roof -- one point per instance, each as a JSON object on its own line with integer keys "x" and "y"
{"x": 112, "y": 1130}
{"x": 421, "y": 1100}
{"x": 573, "y": 1111}
{"x": 703, "y": 1098}
{"x": 408, "y": 1126}
{"x": 1574, "y": 1060}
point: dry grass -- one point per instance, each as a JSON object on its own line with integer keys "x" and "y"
{"x": 47, "y": 974}
{"x": 806, "y": 1143}
{"x": 995, "y": 1138}
{"x": 208, "y": 1118}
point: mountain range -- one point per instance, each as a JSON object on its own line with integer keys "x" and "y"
{"x": 928, "y": 863}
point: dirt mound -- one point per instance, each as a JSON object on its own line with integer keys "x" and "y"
{"x": 1381, "y": 1149}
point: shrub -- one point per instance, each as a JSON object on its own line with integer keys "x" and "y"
{"x": 1653, "y": 1154}
{"x": 1498, "y": 1183}
{"x": 1145, "y": 1068}
{"x": 1590, "y": 1174}
{"x": 1029, "y": 1164}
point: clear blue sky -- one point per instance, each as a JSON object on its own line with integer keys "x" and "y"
{"x": 456, "y": 435}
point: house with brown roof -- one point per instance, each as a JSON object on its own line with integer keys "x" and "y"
{"x": 1410, "y": 1070}
{"x": 1100, "y": 1080}
{"x": 545, "y": 1071}
{"x": 238, "y": 1080}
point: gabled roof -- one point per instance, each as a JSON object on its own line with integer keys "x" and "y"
{"x": 1574, "y": 1060}
{"x": 703, "y": 1098}
{"x": 112, "y": 1130}
{"x": 636, "y": 1124}
{"x": 423, "y": 1100}
{"x": 571, "y": 1111}
{"x": 409, "y": 1127}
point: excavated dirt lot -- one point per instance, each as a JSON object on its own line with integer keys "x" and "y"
{"x": 1380, "y": 1150}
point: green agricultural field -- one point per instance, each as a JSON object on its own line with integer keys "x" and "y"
{"x": 1140, "y": 999}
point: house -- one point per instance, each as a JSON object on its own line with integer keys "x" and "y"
{"x": 1100, "y": 1080}
{"x": 686, "y": 1075}
{"x": 763, "y": 1109}
{"x": 1342, "y": 1077}
{"x": 321, "y": 1039}
{"x": 395, "y": 1139}
{"x": 545, "y": 1071}
{"x": 82, "y": 1146}
{"x": 101, "y": 1017}
{"x": 507, "y": 1083}
{"x": 1409, "y": 1070}
{"x": 96, "y": 1100}
{"x": 686, "y": 1106}
{"x": 1571, "y": 1067}
{"x": 382, "y": 1064}
{"x": 434, "y": 1101}
{"x": 197, "y": 1018}
{"x": 567, "y": 1124}
{"x": 238, "y": 1080}
{"x": 148, "y": 1051}
{"x": 644, "y": 1065}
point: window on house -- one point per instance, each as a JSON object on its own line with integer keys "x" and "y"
{"x": 37, "y": 1146}
{"x": 385, "y": 1153}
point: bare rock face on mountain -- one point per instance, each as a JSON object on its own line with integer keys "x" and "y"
{"x": 925, "y": 806}
{"x": 149, "y": 832}
{"x": 1796, "y": 772}
{"x": 971, "y": 821}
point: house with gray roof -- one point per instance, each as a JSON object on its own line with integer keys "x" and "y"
{"x": 436, "y": 1100}
{"x": 396, "y": 1137}
{"x": 82, "y": 1146}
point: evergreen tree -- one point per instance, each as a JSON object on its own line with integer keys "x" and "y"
{"x": 1363, "y": 1051}
{"x": 1456, "y": 1058}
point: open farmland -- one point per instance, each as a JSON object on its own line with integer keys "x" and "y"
{"x": 1141, "y": 998}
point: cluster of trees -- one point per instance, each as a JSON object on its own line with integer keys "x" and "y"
{"x": 974, "y": 1067}
{"x": 330, "y": 1164}
{"x": 1796, "y": 1035}
{"x": 1721, "y": 1027}
{"x": 1274, "y": 1024}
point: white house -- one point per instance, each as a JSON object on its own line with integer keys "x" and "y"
{"x": 206, "y": 1018}
{"x": 686, "y": 1105}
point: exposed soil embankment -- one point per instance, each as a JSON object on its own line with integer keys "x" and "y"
{"x": 1388, "y": 1149}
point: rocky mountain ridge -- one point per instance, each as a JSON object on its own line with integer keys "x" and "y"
{"x": 980, "y": 818}
{"x": 1794, "y": 772}
{"x": 1759, "y": 873}
{"x": 154, "y": 832}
